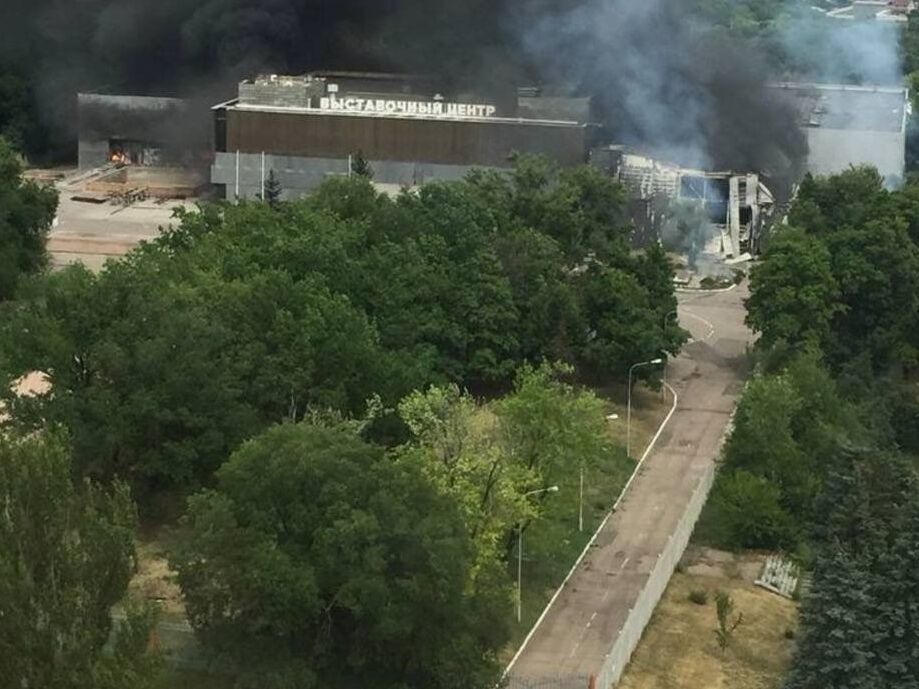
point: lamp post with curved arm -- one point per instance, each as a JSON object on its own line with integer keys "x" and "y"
{"x": 550, "y": 489}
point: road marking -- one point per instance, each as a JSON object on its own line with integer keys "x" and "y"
{"x": 600, "y": 528}
{"x": 624, "y": 563}
{"x": 708, "y": 324}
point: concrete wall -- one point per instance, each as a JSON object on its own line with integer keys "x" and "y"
{"x": 834, "y": 150}
{"x": 300, "y": 175}
{"x": 630, "y": 634}
{"x": 92, "y": 153}
{"x": 286, "y": 92}
{"x": 135, "y": 118}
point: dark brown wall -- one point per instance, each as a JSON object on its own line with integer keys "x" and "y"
{"x": 447, "y": 142}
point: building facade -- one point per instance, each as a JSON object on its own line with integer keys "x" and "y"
{"x": 307, "y": 128}
{"x": 134, "y": 130}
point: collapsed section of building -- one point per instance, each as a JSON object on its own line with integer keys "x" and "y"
{"x": 306, "y": 128}
{"x": 720, "y": 213}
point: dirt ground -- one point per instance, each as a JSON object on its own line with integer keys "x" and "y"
{"x": 155, "y": 581}
{"x": 679, "y": 650}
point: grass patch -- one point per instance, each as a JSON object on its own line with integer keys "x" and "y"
{"x": 679, "y": 649}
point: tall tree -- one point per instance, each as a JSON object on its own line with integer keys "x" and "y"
{"x": 66, "y": 556}
{"x": 837, "y": 644}
{"x": 317, "y": 557}
{"x": 26, "y": 213}
{"x": 794, "y": 295}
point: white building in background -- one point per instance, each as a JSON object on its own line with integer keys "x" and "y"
{"x": 877, "y": 10}
{"x": 852, "y": 125}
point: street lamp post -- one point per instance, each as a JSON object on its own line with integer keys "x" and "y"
{"x": 628, "y": 425}
{"x": 609, "y": 417}
{"x": 550, "y": 489}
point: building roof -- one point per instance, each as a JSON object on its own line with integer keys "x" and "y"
{"x": 854, "y": 108}
{"x": 317, "y": 112}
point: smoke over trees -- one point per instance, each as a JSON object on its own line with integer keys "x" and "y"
{"x": 686, "y": 77}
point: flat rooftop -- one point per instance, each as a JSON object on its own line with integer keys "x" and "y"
{"x": 319, "y": 112}
{"x": 854, "y": 108}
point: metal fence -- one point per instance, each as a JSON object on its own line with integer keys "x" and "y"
{"x": 667, "y": 560}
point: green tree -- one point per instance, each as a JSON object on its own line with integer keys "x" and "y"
{"x": 746, "y": 512}
{"x": 160, "y": 370}
{"x": 26, "y": 213}
{"x": 836, "y": 646}
{"x": 66, "y": 556}
{"x": 317, "y": 557}
{"x": 624, "y": 329}
{"x": 19, "y": 120}
{"x": 849, "y": 199}
{"x": 724, "y": 609}
{"x": 273, "y": 189}
{"x": 794, "y": 295}
{"x": 877, "y": 269}
{"x": 550, "y": 428}
{"x": 360, "y": 166}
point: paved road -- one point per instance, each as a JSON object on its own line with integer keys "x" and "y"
{"x": 580, "y": 628}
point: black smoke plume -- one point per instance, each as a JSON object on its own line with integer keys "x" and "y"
{"x": 663, "y": 79}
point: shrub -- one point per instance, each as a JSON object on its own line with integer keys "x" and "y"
{"x": 698, "y": 596}
{"x": 750, "y": 515}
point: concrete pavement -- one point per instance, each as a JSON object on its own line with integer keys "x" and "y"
{"x": 580, "y": 627}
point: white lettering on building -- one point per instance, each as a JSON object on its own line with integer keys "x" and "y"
{"x": 333, "y": 103}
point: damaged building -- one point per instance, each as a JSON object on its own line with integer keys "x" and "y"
{"x": 306, "y": 128}
{"x": 133, "y": 130}
{"x": 731, "y": 209}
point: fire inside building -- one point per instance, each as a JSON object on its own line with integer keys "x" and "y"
{"x": 125, "y": 129}
{"x": 304, "y": 129}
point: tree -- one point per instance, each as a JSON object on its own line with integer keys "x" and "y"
{"x": 623, "y": 326}
{"x": 877, "y": 269}
{"x": 825, "y": 205}
{"x": 360, "y": 166}
{"x": 746, "y": 512}
{"x": 794, "y": 295}
{"x": 66, "y": 556}
{"x": 550, "y": 428}
{"x": 318, "y": 557}
{"x": 836, "y": 648}
{"x": 26, "y": 213}
{"x": 724, "y": 609}
{"x": 273, "y": 189}
{"x": 160, "y": 369}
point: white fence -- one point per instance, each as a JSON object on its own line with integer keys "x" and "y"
{"x": 667, "y": 560}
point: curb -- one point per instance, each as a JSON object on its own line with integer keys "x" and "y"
{"x": 596, "y": 533}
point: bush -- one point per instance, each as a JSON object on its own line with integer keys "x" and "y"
{"x": 698, "y": 596}
{"x": 749, "y": 514}
{"x": 790, "y": 634}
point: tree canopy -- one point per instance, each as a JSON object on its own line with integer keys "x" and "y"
{"x": 66, "y": 555}
{"x": 26, "y": 213}
{"x": 241, "y": 316}
{"x": 317, "y": 557}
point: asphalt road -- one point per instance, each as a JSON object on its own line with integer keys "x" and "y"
{"x": 581, "y": 626}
